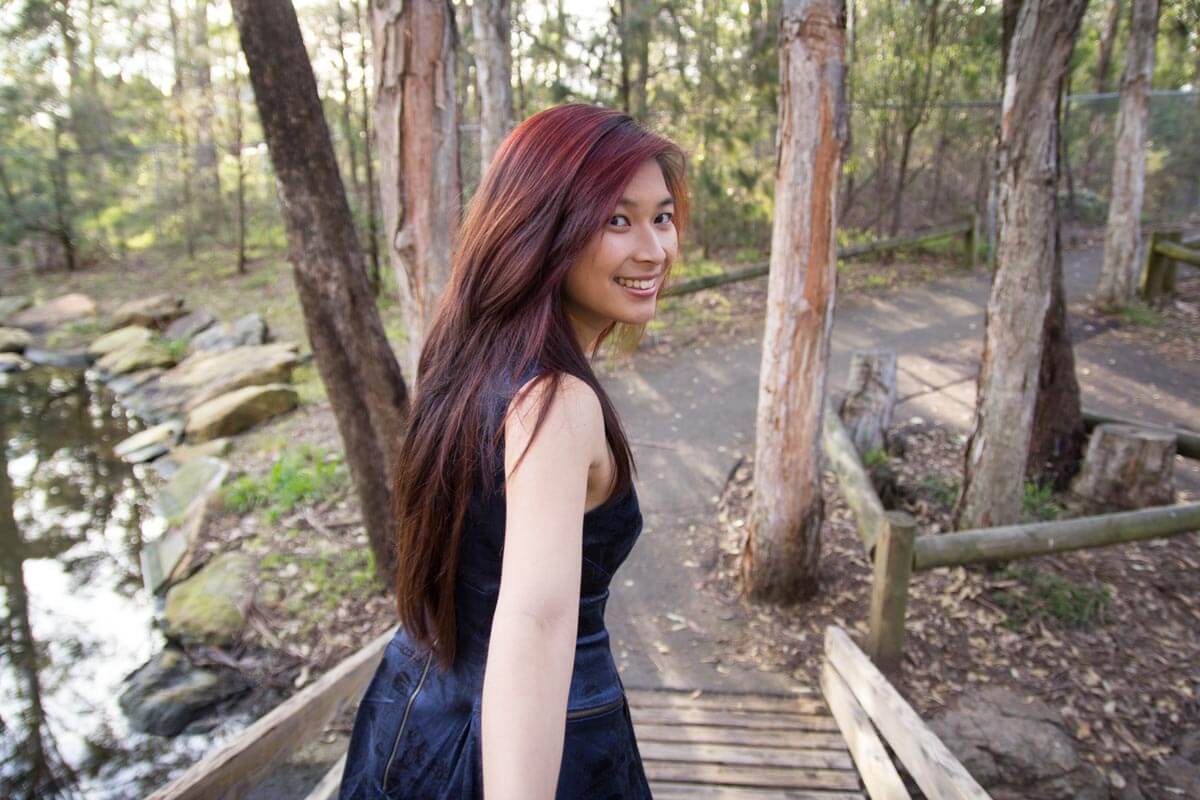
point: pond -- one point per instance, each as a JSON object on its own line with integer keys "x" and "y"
{"x": 76, "y": 617}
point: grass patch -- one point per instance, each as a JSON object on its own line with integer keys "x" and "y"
{"x": 877, "y": 457}
{"x": 1138, "y": 313}
{"x": 304, "y": 474}
{"x": 1041, "y": 595}
{"x": 309, "y": 386}
{"x": 322, "y": 582}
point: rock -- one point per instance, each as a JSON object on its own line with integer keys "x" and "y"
{"x": 150, "y": 312}
{"x": 14, "y": 340}
{"x": 76, "y": 358}
{"x": 158, "y": 438}
{"x": 189, "y": 325}
{"x": 250, "y": 329}
{"x": 124, "y": 384}
{"x": 1018, "y": 749}
{"x": 169, "y": 558}
{"x": 53, "y": 313}
{"x": 119, "y": 339}
{"x": 166, "y": 693}
{"x": 202, "y": 376}
{"x": 133, "y": 358}
{"x": 199, "y": 477}
{"x": 169, "y": 465}
{"x": 11, "y": 305}
{"x": 11, "y": 362}
{"x": 210, "y": 607}
{"x": 239, "y": 410}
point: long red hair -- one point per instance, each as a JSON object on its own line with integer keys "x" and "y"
{"x": 551, "y": 186}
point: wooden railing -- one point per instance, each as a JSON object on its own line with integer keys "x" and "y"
{"x": 968, "y": 229}
{"x": 869, "y": 712}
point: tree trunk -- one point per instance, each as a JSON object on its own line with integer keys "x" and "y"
{"x": 356, "y": 364}
{"x": 493, "y": 68}
{"x": 1126, "y": 468}
{"x": 238, "y": 135}
{"x": 782, "y": 551}
{"x": 1108, "y": 38}
{"x": 998, "y": 449}
{"x": 368, "y": 158}
{"x": 416, "y": 127}
{"x": 346, "y": 107}
{"x": 870, "y": 397}
{"x": 208, "y": 181}
{"x": 179, "y": 96}
{"x": 1118, "y": 275}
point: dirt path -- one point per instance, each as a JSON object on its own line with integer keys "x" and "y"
{"x": 690, "y": 416}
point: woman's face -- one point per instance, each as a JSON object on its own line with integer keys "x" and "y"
{"x": 619, "y": 272}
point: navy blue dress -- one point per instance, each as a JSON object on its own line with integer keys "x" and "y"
{"x": 417, "y": 731}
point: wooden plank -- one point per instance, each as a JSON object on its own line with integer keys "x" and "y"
{"x": 931, "y": 764}
{"x": 852, "y": 478}
{"x": 766, "y": 777}
{"x": 1178, "y": 252}
{"x": 674, "y": 698}
{"x": 798, "y": 740}
{"x": 744, "y": 755}
{"x": 245, "y": 759}
{"x": 874, "y": 766}
{"x": 889, "y": 589}
{"x": 762, "y": 720}
{"x": 327, "y": 789}
{"x": 671, "y": 790}
{"x": 1021, "y": 541}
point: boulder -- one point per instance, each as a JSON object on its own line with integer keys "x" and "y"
{"x": 75, "y": 358}
{"x": 156, "y": 311}
{"x": 250, "y": 329}
{"x": 198, "y": 478}
{"x": 11, "y": 362}
{"x": 202, "y": 376}
{"x": 14, "y": 340}
{"x": 124, "y": 384}
{"x": 133, "y": 358}
{"x": 119, "y": 339}
{"x": 171, "y": 557}
{"x": 53, "y": 313}
{"x": 11, "y": 305}
{"x": 189, "y": 325}
{"x": 178, "y": 456}
{"x": 210, "y": 607}
{"x": 1018, "y": 749}
{"x": 150, "y": 443}
{"x": 166, "y": 693}
{"x": 239, "y": 410}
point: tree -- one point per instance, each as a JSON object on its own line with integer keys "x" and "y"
{"x": 354, "y": 359}
{"x": 1028, "y": 254}
{"x": 493, "y": 68}
{"x": 782, "y": 550}
{"x": 1123, "y": 235}
{"x": 416, "y": 128}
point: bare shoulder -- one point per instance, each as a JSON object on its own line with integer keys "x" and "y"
{"x": 574, "y": 419}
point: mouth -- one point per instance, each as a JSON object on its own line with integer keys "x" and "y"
{"x": 647, "y": 287}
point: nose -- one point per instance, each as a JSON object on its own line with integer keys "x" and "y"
{"x": 651, "y": 245}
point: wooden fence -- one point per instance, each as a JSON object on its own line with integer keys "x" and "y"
{"x": 968, "y": 229}
{"x": 1164, "y": 250}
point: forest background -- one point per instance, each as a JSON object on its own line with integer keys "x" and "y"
{"x": 129, "y": 131}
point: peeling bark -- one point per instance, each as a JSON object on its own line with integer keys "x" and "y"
{"x": 782, "y": 550}
{"x": 493, "y": 68}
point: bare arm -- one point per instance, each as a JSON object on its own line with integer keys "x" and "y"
{"x": 531, "y": 652}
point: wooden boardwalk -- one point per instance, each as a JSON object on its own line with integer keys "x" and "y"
{"x": 734, "y": 746}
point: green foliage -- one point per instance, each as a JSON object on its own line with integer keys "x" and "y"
{"x": 943, "y": 490}
{"x": 875, "y": 458}
{"x": 1040, "y": 595}
{"x": 1038, "y": 503}
{"x": 301, "y": 475}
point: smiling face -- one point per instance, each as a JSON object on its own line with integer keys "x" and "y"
{"x": 618, "y": 274}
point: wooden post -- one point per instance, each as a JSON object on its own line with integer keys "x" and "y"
{"x": 1158, "y": 277}
{"x": 971, "y": 243}
{"x": 889, "y": 589}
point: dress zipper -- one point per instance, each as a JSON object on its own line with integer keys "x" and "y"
{"x": 395, "y": 744}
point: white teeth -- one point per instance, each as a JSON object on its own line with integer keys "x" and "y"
{"x": 635, "y": 284}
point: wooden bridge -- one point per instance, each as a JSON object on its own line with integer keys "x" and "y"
{"x": 701, "y": 745}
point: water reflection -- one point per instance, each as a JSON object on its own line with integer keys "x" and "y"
{"x": 76, "y": 619}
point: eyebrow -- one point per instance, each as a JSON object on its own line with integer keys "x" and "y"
{"x": 625, "y": 201}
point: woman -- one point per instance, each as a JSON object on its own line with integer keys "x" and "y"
{"x": 515, "y": 500}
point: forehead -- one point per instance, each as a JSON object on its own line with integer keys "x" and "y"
{"x": 646, "y": 187}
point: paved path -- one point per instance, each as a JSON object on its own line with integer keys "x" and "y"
{"x": 690, "y": 417}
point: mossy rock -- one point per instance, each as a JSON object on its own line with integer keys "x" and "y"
{"x": 210, "y": 607}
